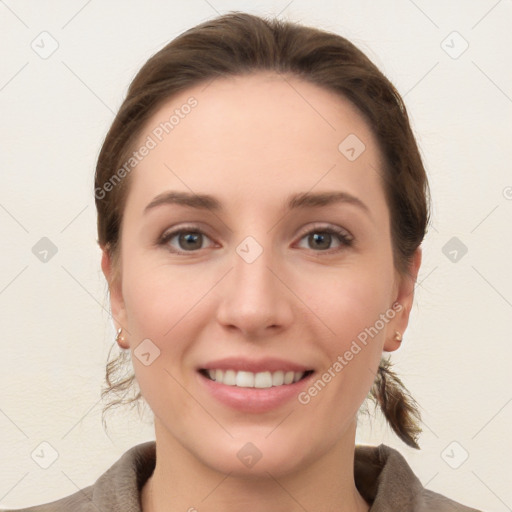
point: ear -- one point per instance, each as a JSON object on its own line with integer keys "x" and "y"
{"x": 115, "y": 290}
{"x": 404, "y": 296}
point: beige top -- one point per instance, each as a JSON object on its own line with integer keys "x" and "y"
{"x": 381, "y": 474}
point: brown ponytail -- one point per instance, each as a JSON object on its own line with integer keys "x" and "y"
{"x": 398, "y": 406}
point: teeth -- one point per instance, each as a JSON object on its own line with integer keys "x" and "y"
{"x": 243, "y": 379}
{"x": 288, "y": 377}
{"x": 229, "y": 378}
{"x": 258, "y": 380}
{"x": 263, "y": 380}
{"x": 277, "y": 378}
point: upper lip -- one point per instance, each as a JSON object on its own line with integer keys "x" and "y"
{"x": 253, "y": 365}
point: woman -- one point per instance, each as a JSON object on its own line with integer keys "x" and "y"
{"x": 261, "y": 205}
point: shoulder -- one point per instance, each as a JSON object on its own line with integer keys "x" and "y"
{"x": 116, "y": 489}
{"x": 385, "y": 479}
{"x": 81, "y": 501}
{"x": 433, "y": 501}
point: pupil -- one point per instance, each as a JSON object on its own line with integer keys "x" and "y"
{"x": 190, "y": 238}
{"x": 321, "y": 238}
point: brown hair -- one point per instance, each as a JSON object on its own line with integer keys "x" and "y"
{"x": 239, "y": 43}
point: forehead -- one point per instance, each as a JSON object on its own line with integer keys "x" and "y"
{"x": 264, "y": 131}
{"x": 269, "y": 101}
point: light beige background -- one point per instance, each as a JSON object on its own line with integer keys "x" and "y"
{"x": 56, "y": 329}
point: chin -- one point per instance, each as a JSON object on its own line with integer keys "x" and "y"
{"x": 259, "y": 467}
{"x": 253, "y": 456}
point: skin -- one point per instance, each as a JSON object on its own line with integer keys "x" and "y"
{"x": 250, "y": 142}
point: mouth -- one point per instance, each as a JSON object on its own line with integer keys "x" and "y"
{"x": 251, "y": 385}
{"x": 260, "y": 380}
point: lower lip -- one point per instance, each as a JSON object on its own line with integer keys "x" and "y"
{"x": 254, "y": 400}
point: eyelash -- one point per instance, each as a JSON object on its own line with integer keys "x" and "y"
{"x": 342, "y": 236}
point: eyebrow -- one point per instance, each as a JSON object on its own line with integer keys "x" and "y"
{"x": 294, "y": 202}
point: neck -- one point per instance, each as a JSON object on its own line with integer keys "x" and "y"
{"x": 182, "y": 483}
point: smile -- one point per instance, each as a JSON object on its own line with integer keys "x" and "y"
{"x": 260, "y": 380}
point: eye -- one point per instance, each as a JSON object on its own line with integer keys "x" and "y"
{"x": 189, "y": 239}
{"x": 321, "y": 238}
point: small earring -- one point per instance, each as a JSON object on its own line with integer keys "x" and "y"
{"x": 120, "y": 338}
{"x": 398, "y": 336}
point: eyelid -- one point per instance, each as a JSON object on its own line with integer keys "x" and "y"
{"x": 329, "y": 227}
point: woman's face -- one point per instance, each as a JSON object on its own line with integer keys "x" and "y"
{"x": 255, "y": 285}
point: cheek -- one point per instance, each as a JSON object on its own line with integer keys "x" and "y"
{"x": 160, "y": 308}
{"x": 353, "y": 309}
{"x": 163, "y": 304}
{"x": 157, "y": 294}
{"x": 349, "y": 300}
{"x": 356, "y": 308}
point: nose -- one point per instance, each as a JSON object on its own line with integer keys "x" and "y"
{"x": 255, "y": 297}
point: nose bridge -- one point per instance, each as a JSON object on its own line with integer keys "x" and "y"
{"x": 252, "y": 277}
{"x": 253, "y": 297}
